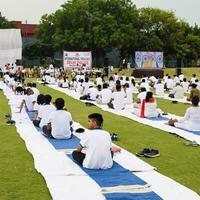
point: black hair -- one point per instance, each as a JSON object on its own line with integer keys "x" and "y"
{"x": 40, "y": 99}
{"x": 143, "y": 89}
{"x": 47, "y": 99}
{"x": 111, "y": 79}
{"x": 97, "y": 118}
{"x": 29, "y": 84}
{"x": 195, "y": 100}
{"x": 149, "y": 95}
{"x": 59, "y": 103}
{"x": 34, "y": 85}
{"x": 194, "y": 85}
{"x": 99, "y": 87}
{"x": 118, "y": 82}
{"x": 105, "y": 85}
{"x": 118, "y": 87}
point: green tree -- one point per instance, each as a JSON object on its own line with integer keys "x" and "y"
{"x": 4, "y": 23}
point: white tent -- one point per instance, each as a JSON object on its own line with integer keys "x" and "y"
{"x": 10, "y": 46}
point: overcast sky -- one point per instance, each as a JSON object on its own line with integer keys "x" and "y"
{"x": 32, "y": 10}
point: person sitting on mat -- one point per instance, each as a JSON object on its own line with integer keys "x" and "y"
{"x": 94, "y": 150}
{"x": 191, "y": 120}
{"x": 148, "y": 107}
{"x": 59, "y": 122}
{"x": 29, "y": 100}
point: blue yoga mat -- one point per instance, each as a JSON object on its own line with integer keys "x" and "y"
{"x": 160, "y": 118}
{"x": 71, "y": 143}
{"x": 117, "y": 175}
{"x": 132, "y": 196}
{"x": 31, "y": 114}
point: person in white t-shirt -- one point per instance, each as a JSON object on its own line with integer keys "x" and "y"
{"x": 93, "y": 93}
{"x": 85, "y": 86}
{"x": 193, "y": 79}
{"x": 177, "y": 92}
{"x": 104, "y": 95}
{"x": 159, "y": 88}
{"x": 59, "y": 122}
{"x": 45, "y": 110}
{"x": 128, "y": 94}
{"x": 116, "y": 77}
{"x": 29, "y": 100}
{"x": 169, "y": 83}
{"x": 117, "y": 101}
{"x": 40, "y": 101}
{"x": 191, "y": 120}
{"x": 99, "y": 81}
{"x": 144, "y": 84}
{"x": 185, "y": 84}
{"x": 96, "y": 145}
{"x": 140, "y": 97}
{"x": 181, "y": 77}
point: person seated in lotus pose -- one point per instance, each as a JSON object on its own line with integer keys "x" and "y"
{"x": 94, "y": 150}
{"x": 191, "y": 120}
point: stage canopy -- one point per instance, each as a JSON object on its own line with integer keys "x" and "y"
{"x": 10, "y": 46}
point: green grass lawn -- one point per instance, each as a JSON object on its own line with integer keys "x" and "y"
{"x": 176, "y": 161}
{"x": 18, "y": 177}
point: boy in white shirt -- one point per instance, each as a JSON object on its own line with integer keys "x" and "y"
{"x": 59, "y": 122}
{"x": 97, "y": 145}
{"x": 117, "y": 99}
{"x": 45, "y": 110}
{"x": 104, "y": 95}
{"x": 29, "y": 100}
{"x": 159, "y": 88}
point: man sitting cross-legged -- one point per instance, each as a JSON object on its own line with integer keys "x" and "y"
{"x": 96, "y": 145}
{"x": 59, "y": 122}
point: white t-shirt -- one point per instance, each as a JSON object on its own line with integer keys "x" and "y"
{"x": 178, "y": 92}
{"x": 85, "y": 87}
{"x": 145, "y": 85}
{"x": 99, "y": 81}
{"x": 93, "y": 92}
{"x": 129, "y": 96}
{"x": 44, "y": 112}
{"x": 159, "y": 89}
{"x": 119, "y": 100}
{"x": 60, "y": 124}
{"x": 141, "y": 96}
{"x": 36, "y": 92}
{"x": 185, "y": 86}
{"x": 191, "y": 120}
{"x": 29, "y": 99}
{"x": 170, "y": 83}
{"x": 97, "y": 144}
{"x": 105, "y": 95}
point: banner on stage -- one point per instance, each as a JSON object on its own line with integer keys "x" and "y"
{"x": 72, "y": 59}
{"x": 149, "y": 60}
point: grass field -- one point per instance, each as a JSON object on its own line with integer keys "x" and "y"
{"x": 19, "y": 179}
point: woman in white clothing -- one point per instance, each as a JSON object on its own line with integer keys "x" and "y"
{"x": 191, "y": 120}
{"x": 148, "y": 107}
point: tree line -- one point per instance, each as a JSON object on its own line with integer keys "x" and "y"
{"x": 102, "y": 25}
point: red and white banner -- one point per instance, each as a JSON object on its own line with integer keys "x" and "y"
{"x": 72, "y": 59}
